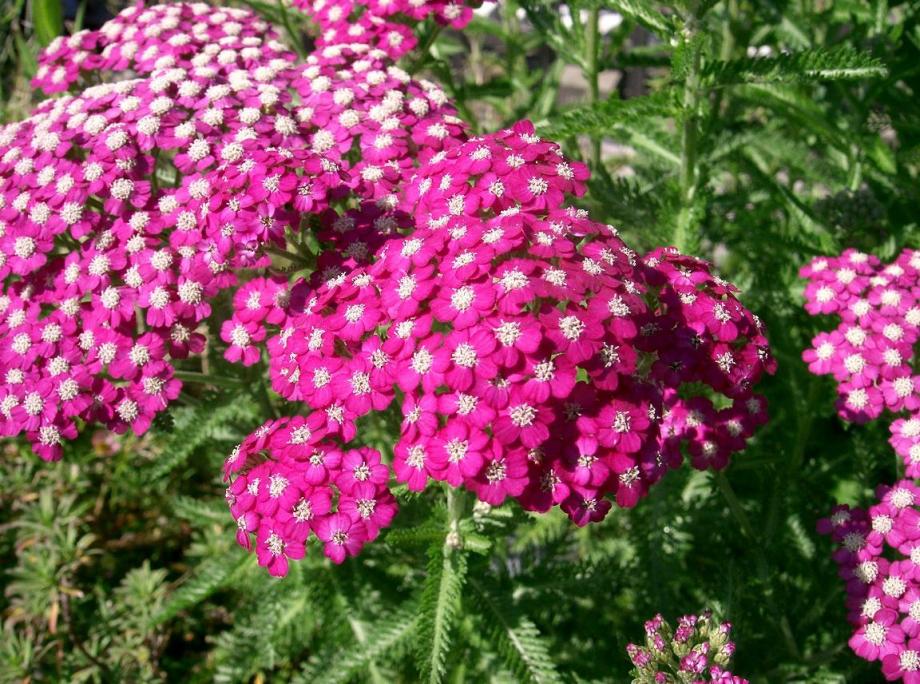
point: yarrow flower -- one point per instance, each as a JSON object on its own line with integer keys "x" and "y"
{"x": 534, "y": 355}
{"x": 697, "y": 651}
{"x": 95, "y": 243}
{"x": 294, "y": 479}
{"x": 377, "y": 253}
{"x": 871, "y": 352}
{"x": 878, "y": 557}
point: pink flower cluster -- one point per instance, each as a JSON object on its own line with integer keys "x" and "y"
{"x": 109, "y": 256}
{"x": 381, "y": 24}
{"x": 879, "y": 559}
{"x": 533, "y": 354}
{"x": 698, "y": 651}
{"x": 310, "y": 484}
{"x": 870, "y": 352}
{"x": 176, "y": 36}
{"x": 124, "y": 210}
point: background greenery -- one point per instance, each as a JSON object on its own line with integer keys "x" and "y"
{"x": 119, "y": 563}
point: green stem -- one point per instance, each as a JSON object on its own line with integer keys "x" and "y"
{"x": 424, "y": 50}
{"x": 290, "y": 256}
{"x": 592, "y": 47}
{"x": 296, "y": 43}
{"x": 763, "y": 567}
{"x": 685, "y": 238}
{"x": 205, "y": 379}
{"x": 78, "y": 18}
{"x": 456, "y": 509}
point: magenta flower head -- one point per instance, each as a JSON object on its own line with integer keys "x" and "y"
{"x": 871, "y": 351}
{"x": 883, "y": 595}
{"x": 511, "y": 327}
{"x": 290, "y": 480}
{"x": 501, "y": 385}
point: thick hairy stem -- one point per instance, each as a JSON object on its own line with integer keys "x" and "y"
{"x": 457, "y": 501}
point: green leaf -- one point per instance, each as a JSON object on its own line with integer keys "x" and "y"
{"x": 517, "y": 638}
{"x": 817, "y": 64}
{"x": 438, "y": 610}
{"x": 210, "y": 576}
{"x": 209, "y": 426}
{"x": 602, "y": 117}
{"x": 201, "y": 512}
{"x": 47, "y": 19}
{"x": 646, "y": 14}
{"x": 337, "y": 666}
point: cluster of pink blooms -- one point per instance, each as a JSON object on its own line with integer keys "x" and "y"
{"x": 108, "y": 265}
{"x": 311, "y": 483}
{"x": 698, "y": 651}
{"x": 533, "y": 355}
{"x": 870, "y": 353}
{"x": 381, "y": 24}
{"x": 879, "y": 559}
{"x": 125, "y": 209}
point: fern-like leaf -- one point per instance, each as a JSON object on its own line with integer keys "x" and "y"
{"x": 517, "y": 638}
{"x": 601, "y": 117}
{"x": 817, "y": 64}
{"x": 198, "y": 427}
{"x": 438, "y": 610}
{"x": 201, "y": 512}
{"x": 337, "y": 666}
{"x": 646, "y": 14}
{"x": 210, "y": 576}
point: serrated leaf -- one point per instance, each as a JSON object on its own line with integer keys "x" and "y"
{"x": 438, "y": 611}
{"x": 647, "y": 14}
{"x": 518, "y": 639}
{"x": 603, "y": 117}
{"x": 338, "y": 666}
{"x": 818, "y": 64}
{"x": 201, "y": 512}
{"x": 210, "y": 576}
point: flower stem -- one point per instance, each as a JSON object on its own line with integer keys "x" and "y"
{"x": 685, "y": 237}
{"x": 763, "y": 568}
{"x": 290, "y": 256}
{"x": 296, "y": 43}
{"x": 205, "y": 379}
{"x": 592, "y": 48}
{"x": 456, "y": 509}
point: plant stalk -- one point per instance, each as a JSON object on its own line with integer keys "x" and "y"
{"x": 592, "y": 48}
{"x": 205, "y": 379}
{"x": 685, "y": 233}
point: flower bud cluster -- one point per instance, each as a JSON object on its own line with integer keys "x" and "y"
{"x": 697, "y": 651}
